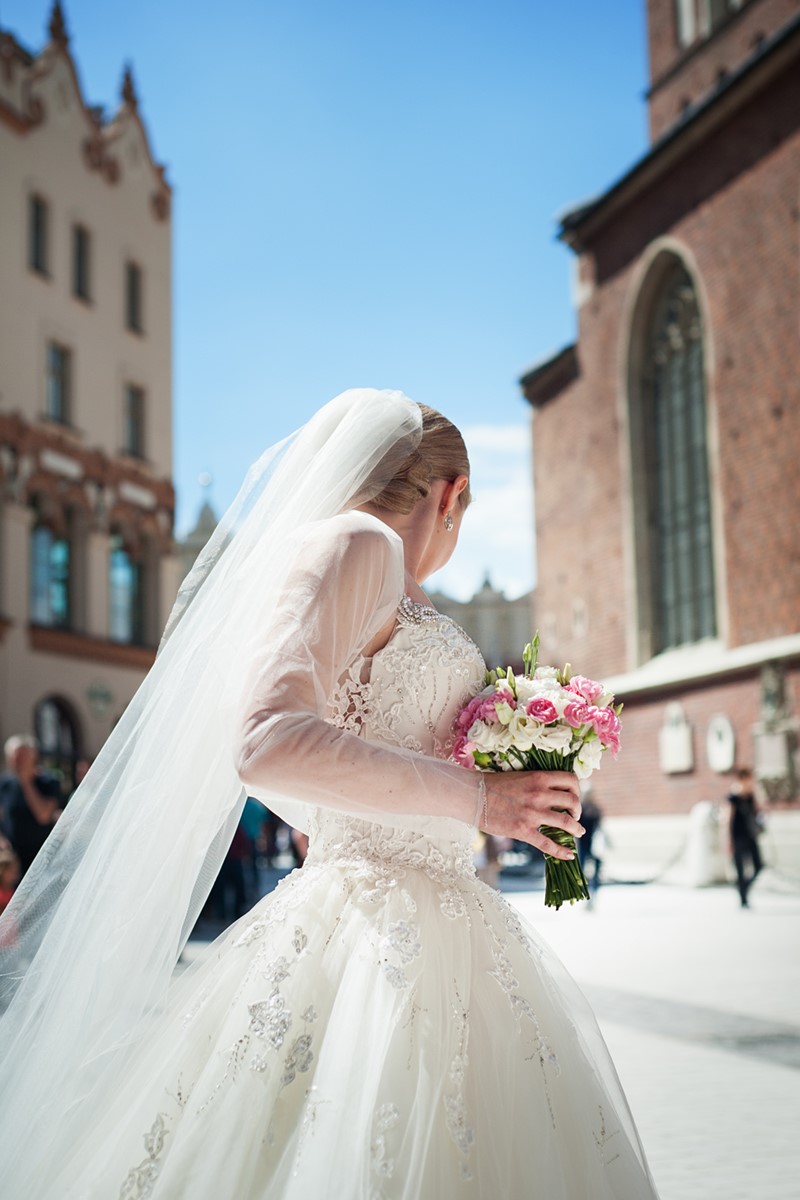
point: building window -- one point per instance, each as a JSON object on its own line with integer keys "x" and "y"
{"x": 134, "y": 418}
{"x": 718, "y": 12}
{"x": 38, "y": 231}
{"x": 126, "y": 618}
{"x": 59, "y": 382}
{"x": 685, "y": 20}
{"x": 681, "y": 569}
{"x": 133, "y": 298}
{"x": 58, "y": 735}
{"x": 81, "y": 249}
{"x": 50, "y": 579}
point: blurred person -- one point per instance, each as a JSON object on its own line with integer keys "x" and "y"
{"x": 746, "y": 823}
{"x": 30, "y": 800}
{"x": 9, "y": 873}
{"x": 487, "y": 857}
{"x": 590, "y": 846}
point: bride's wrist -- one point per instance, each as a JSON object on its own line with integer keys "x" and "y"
{"x": 482, "y": 805}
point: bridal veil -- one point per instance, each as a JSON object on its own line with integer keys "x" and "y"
{"x": 90, "y": 941}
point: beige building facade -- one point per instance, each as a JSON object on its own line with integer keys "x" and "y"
{"x": 499, "y": 627}
{"x": 88, "y": 568}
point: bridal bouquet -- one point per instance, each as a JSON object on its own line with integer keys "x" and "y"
{"x": 543, "y": 720}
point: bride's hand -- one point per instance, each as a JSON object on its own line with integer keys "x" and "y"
{"x": 519, "y": 802}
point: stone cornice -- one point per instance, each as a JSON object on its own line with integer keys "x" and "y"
{"x": 50, "y": 463}
{"x": 549, "y": 378}
{"x": 698, "y": 665}
{"x": 67, "y": 644}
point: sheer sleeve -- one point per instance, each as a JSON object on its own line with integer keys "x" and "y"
{"x": 344, "y": 586}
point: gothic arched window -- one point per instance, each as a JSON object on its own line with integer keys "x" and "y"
{"x": 676, "y": 475}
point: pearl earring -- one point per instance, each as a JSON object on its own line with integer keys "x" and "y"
{"x": 449, "y": 522}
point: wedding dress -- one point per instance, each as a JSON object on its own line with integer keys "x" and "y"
{"x": 382, "y": 1026}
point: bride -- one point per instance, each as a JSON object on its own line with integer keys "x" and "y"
{"x": 382, "y": 1026}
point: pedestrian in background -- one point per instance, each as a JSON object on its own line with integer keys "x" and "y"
{"x": 745, "y": 827}
{"x": 590, "y": 845}
{"x": 9, "y": 873}
{"x": 30, "y": 800}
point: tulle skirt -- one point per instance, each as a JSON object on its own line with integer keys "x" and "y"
{"x": 381, "y": 1027}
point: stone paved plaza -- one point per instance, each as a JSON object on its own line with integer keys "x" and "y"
{"x": 699, "y": 1002}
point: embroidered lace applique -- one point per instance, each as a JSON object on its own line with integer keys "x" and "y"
{"x": 141, "y": 1180}
{"x": 385, "y": 1119}
{"x": 603, "y": 1138}
{"x": 299, "y": 1059}
{"x": 381, "y": 856}
{"x": 455, "y": 1106}
{"x": 402, "y": 940}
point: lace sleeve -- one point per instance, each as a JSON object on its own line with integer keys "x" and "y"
{"x": 344, "y": 586}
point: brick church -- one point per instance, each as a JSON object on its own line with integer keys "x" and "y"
{"x": 669, "y": 538}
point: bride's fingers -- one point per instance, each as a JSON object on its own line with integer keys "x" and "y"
{"x": 548, "y": 846}
{"x": 563, "y": 820}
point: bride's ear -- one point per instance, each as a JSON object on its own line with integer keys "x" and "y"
{"x": 452, "y": 491}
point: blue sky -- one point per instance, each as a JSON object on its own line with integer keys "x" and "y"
{"x": 365, "y": 195}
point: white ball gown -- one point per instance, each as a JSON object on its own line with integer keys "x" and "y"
{"x": 382, "y": 1026}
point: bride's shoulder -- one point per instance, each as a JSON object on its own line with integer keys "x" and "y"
{"x": 354, "y": 529}
{"x": 353, "y": 542}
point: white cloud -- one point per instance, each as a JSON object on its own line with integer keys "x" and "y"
{"x": 497, "y": 532}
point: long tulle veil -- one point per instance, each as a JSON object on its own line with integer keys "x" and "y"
{"x": 90, "y": 941}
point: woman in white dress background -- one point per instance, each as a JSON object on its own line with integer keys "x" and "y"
{"x": 382, "y": 1025}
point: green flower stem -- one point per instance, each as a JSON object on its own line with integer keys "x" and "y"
{"x": 564, "y": 879}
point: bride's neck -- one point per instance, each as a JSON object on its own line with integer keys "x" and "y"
{"x": 414, "y": 529}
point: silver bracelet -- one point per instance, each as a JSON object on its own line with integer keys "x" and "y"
{"x": 484, "y": 803}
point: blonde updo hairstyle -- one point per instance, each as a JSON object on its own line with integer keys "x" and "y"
{"x": 441, "y": 454}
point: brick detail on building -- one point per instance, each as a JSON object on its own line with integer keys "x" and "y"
{"x": 683, "y": 76}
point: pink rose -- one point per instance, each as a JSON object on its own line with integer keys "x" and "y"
{"x": 589, "y": 689}
{"x": 578, "y": 713}
{"x": 607, "y": 726}
{"x": 542, "y": 710}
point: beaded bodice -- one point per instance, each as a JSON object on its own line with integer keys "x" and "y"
{"x": 407, "y": 694}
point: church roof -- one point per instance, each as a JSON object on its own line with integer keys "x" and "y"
{"x": 700, "y": 120}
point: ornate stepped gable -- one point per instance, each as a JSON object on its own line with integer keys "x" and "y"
{"x": 27, "y": 99}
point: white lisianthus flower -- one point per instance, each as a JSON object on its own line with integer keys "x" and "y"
{"x": 522, "y": 731}
{"x": 553, "y": 738}
{"x": 588, "y": 758}
{"x": 545, "y": 673}
{"x": 504, "y": 712}
{"x": 526, "y": 690}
